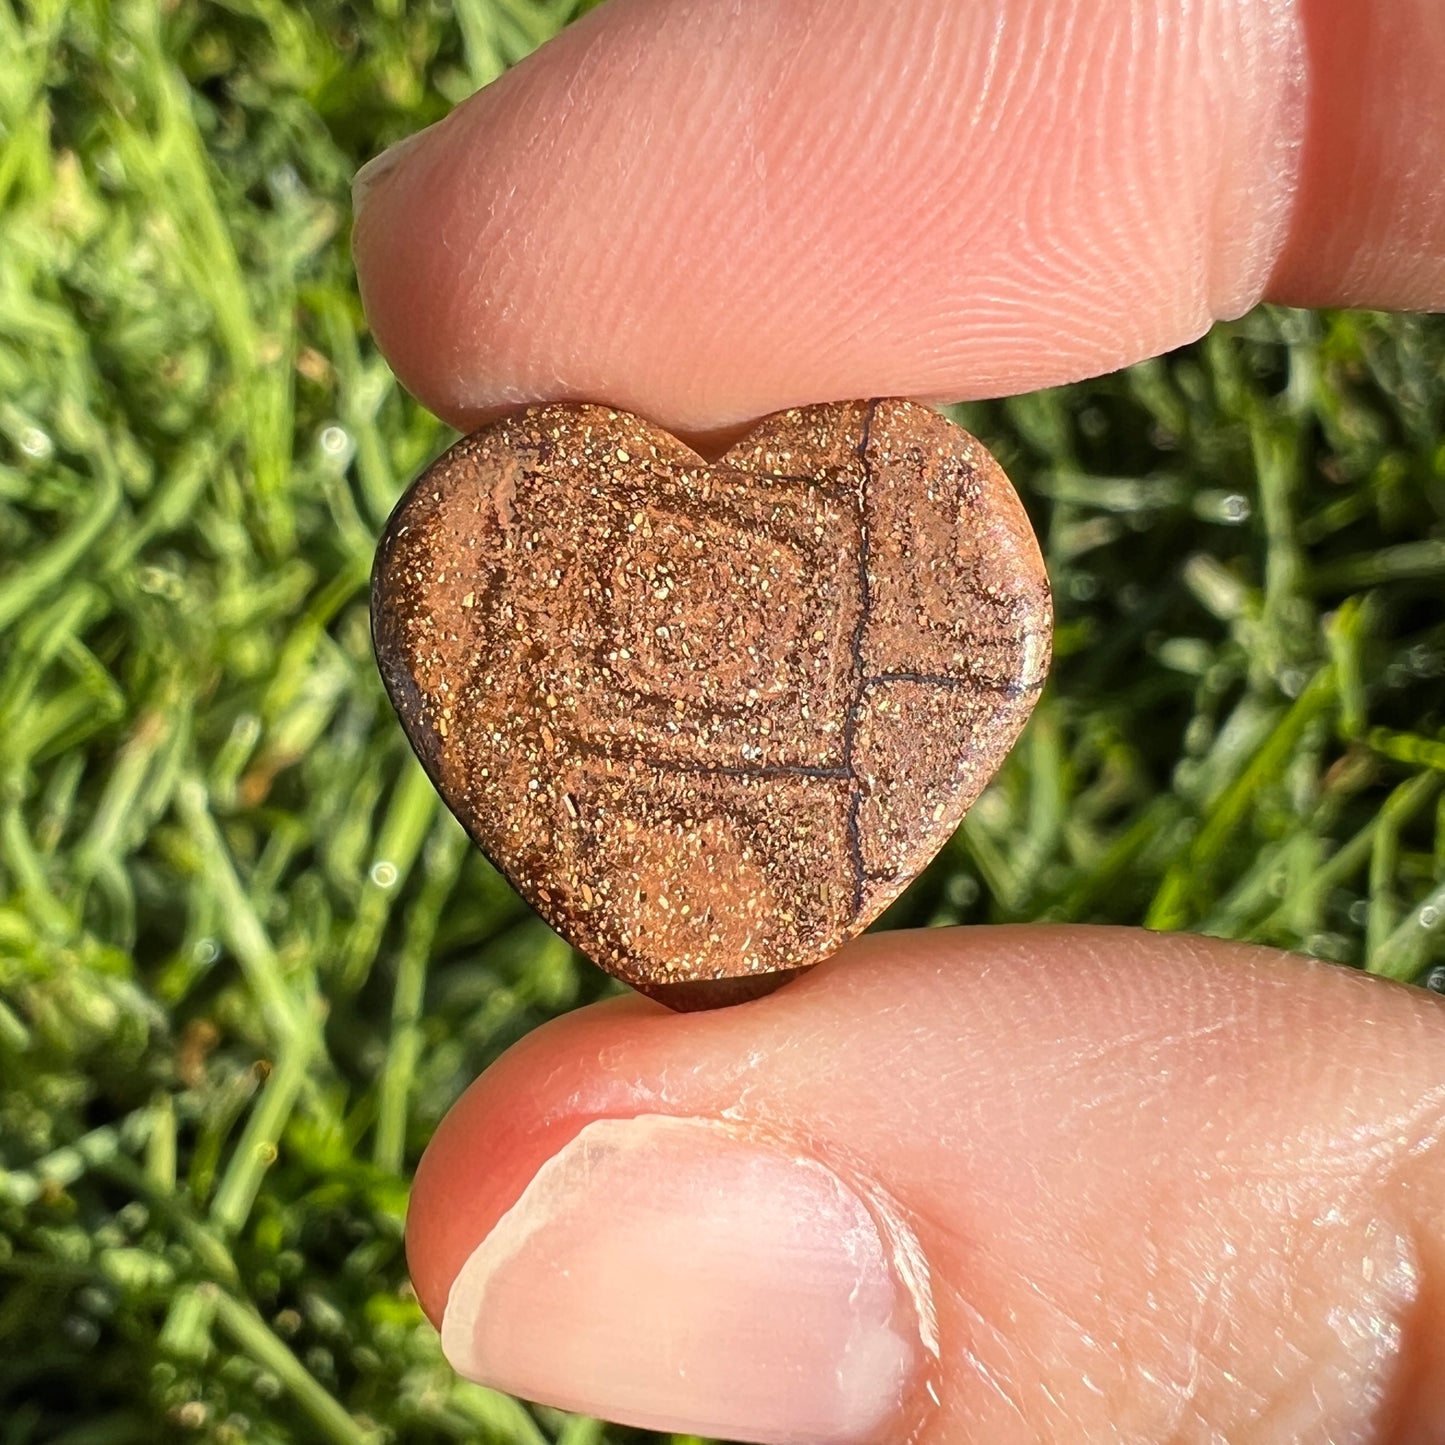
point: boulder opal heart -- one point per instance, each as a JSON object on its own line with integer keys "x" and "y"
{"x": 711, "y": 719}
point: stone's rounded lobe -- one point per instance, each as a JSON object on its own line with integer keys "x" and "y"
{"x": 711, "y": 720}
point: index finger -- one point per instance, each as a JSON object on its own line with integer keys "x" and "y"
{"x": 704, "y": 212}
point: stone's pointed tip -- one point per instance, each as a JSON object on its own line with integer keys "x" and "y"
{"x": 706, "y": 716}
{"x": 710, "y": 993}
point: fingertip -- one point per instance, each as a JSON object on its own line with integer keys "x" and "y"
{"x": 669, "y": 210}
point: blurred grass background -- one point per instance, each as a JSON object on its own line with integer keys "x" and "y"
{"x": 247, "y": 961}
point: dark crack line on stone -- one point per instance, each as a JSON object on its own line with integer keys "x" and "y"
{"x": 860, "y": 681}
{"x": 1008, "y": 689}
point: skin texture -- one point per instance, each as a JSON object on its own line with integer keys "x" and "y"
{"x": 671, "y": 208}
{"x": 1159, "y": 1182}
{"x": 1166, "y": 1189}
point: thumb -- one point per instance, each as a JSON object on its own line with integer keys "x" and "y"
{"x": 996, "y": 1184}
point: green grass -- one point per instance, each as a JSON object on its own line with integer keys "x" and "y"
{"x": 247, "y": 961}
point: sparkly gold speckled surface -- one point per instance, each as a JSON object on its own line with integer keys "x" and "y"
{"x": 711, "y": 720}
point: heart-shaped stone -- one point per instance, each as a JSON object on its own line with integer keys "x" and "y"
{"x": 711, "y": 719}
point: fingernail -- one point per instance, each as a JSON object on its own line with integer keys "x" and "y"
{"x": 378, "y": 168}
{"x": 678, "y": 1275}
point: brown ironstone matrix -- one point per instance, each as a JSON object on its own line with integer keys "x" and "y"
{"x": 711, "y": 719}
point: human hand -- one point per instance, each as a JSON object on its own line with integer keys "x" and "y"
{"x": 1073, "y": 1184}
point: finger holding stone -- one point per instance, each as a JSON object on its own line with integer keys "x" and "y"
{"x": 990, "y": 1184}
{"x": 704, "y": 213}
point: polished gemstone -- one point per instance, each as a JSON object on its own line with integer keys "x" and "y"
{"x": 710, "y": 719}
